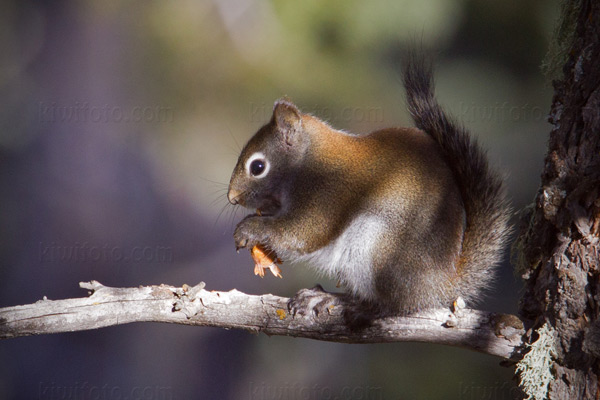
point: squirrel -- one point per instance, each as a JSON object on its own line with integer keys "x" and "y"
{"x": 406, "y": 219}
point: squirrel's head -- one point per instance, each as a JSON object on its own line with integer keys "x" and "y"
{"x": 269, "y": 160}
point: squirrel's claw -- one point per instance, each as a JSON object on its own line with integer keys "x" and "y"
{"x": 240, "y": 244}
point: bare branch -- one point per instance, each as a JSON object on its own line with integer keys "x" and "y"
{"x": 495, "y": 334}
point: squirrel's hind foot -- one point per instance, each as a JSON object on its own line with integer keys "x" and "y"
{"x": 315, "y": 301}
{"x": 318, "y": 302}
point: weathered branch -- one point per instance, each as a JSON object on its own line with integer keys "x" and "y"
{"x": 495, "y": 334}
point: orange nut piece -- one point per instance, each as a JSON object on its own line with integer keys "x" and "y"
{"x": 265, "y": 259}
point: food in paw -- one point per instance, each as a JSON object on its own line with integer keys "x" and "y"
{"x": 263, "y": 259}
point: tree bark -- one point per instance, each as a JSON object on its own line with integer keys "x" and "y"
{"x": 559, "y": 243}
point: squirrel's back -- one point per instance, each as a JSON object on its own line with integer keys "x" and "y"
{"x": 481, "y": 188}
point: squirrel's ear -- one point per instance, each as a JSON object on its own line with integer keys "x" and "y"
{"x": 288, "y": 119}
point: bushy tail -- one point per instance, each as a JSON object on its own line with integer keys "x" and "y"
{"x": 482, "y": 189}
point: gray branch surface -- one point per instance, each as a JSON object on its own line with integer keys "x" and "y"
{"x": 496, "y": 334}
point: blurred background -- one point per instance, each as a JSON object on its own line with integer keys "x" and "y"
{"x": 120, "y": 123}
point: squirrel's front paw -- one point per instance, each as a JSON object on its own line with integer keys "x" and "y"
{"x": 246, "y": 233}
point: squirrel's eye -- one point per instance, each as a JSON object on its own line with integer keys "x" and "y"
{"x": 257, "y": 165}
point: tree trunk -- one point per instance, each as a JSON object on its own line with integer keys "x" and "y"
{"x": 559, "y": 243}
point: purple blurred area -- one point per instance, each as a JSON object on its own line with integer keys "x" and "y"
{"x": 80, "y": 201}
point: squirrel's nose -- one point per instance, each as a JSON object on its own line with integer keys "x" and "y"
{"x": 232, "y": 196}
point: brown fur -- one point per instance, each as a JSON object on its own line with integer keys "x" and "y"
{"x": 411, "y": 218}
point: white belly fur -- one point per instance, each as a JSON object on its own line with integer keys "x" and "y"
{"x": 349, "y": 257}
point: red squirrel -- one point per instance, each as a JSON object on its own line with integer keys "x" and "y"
{"x": 405, "y": 218}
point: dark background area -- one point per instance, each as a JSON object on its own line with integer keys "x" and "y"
{"x": 120, "y": 123}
